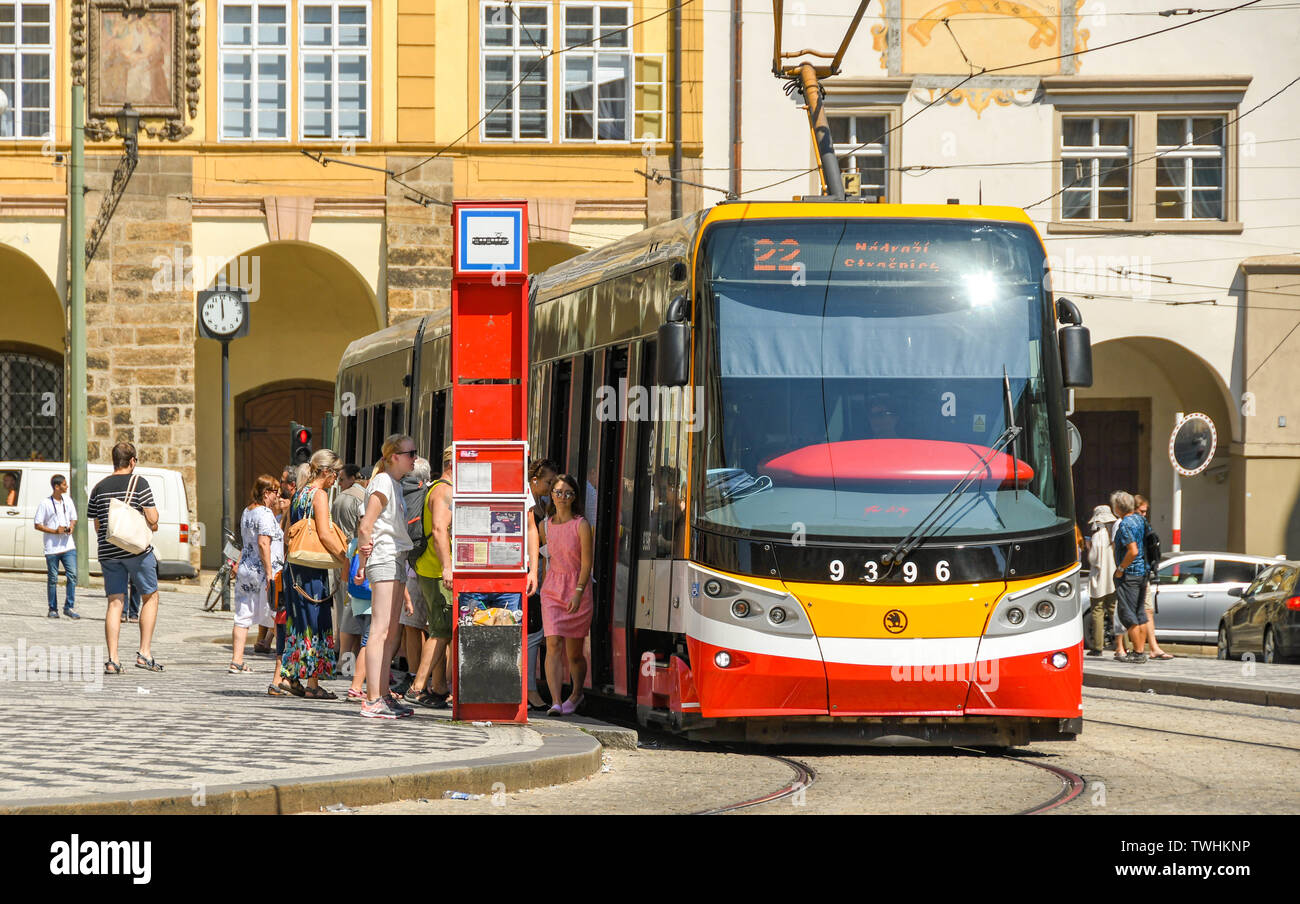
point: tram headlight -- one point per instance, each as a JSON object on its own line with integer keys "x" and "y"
{"x": 1045, "y": 609}
{"x": 713, "y": 588}
{"x": 1063, "y": 589}
{"x": 722, "y": 659}
{"x": 1060, "y": 660}
{"x": 1015, "y": 615}
{"x": 777, "y": 615}
{"x": 740, "y": 608}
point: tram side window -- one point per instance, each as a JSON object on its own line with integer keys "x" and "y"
{"x": 377, "y": 433}
{"x": 349, "y": 438}
{"x": 583, "y": 460}
{"x": 398, "y": 422}
{"x": 362, "y": 455}
{"x": 559, "y": 433}
{"x": 437, "y": 417}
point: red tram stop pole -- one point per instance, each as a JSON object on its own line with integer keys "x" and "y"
{"x": 489, "y": 392}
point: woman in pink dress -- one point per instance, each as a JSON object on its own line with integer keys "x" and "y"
{"x": 566, "y": 592}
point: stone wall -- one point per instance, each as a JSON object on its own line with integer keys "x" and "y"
{"x": 418, "y": 239}
{"x": 140, "y": 318}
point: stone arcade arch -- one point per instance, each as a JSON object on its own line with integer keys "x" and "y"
{"x": 1140, "y": 383}
{"x": 33, "y": 410}
{"x": 309, "y": 304}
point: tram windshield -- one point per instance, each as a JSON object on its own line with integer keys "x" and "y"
{"x": 858, "y": 370}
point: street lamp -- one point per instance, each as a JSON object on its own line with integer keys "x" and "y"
{"x": 128, "y": 127}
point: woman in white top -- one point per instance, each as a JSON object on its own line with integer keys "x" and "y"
{"x": 382, "y": 543}
{"x": 261, "y": 560}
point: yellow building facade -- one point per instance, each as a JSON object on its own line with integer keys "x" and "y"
{"x": 306, "y": 150}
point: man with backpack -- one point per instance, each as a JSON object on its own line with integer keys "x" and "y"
{"x": 414, "y": 487}
{"x": 1152, "y": 553}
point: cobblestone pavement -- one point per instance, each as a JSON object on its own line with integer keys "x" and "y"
{"x": 1195, "y": 763}
{"x": 192, "y": 724}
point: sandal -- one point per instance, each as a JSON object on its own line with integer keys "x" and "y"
{"x": 257, "y": 648}
{"x": 112, "y": 668}
{"x": 149, "y": 664}
{"x": 1162, "y": 657}
{"x": 296, "y": 688}
{"x": 236, "y": 668}
{"x": 273, "y": 690}
{"x": 319, "y": 693}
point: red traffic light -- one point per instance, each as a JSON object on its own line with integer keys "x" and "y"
{"x": 304, "y": 436}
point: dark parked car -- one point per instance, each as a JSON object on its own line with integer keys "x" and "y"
{"x": 1193, "y": 591}
{"x": 1266, "y": 618}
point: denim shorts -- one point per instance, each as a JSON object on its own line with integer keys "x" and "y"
{"x": 1128, "y": 592}
{"x": 141, "y": 570}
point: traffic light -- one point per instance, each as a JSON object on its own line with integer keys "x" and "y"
{"x": 300, "y": 443}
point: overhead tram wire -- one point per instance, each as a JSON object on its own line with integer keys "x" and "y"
{"x": 996, "y": 69}
{"x": 546, "y": 55}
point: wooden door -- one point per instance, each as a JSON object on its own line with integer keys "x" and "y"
{"x": 1109, "y": 460}
{"x": 262, "y": 438}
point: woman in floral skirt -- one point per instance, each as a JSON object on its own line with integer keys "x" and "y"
{"x": 309, "y": 651}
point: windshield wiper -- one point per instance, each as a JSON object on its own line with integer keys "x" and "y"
{"x": 914, "y": 537}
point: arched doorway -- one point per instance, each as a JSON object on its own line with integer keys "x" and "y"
{"x": 1125, "y": 419}
{"x": 262, "y": 417}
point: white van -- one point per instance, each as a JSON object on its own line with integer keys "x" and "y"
{"x": 21, "y": 545}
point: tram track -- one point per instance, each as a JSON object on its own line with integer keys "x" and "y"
{"x": 804, "y": 776}
{"x": 1189, "y": 734}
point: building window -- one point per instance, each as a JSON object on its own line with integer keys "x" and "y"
{"x": 29, "y": 388}
{"x": 1096, "y": 167}
{"x": 514, "y": 42}
{"x": 254, "y": 71}
{"x": 26, "y": 68}
{"x": 334, "y": 69}
{"x": 1190, "y": 171}
{"x": 598, "y": 73}
{"x": 862, "y": 146}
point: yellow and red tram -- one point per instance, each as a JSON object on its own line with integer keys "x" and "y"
{"x": 826, "y": 460}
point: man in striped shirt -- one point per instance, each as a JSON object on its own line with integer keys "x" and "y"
{"x": 121, "y": 567}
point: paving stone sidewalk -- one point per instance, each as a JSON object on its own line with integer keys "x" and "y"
{"x": 195, "y": 731}
{"x": 1202, "y": 677}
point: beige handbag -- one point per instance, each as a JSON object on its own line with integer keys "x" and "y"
{"x": 127, "y": 527}
{"x": 305, "y": 548}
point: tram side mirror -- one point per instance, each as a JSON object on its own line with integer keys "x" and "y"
{"x": 1237, "y": 591}
{"x": 1076, "y": 345}
{"x": 677, "y": 273}
{"x": 673, "y": 357}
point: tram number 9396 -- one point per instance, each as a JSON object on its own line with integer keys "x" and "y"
{"x": 871, "y": 572}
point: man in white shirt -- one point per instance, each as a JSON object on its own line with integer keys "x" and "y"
{"x": 56, "y": 517}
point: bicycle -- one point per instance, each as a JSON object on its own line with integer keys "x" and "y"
{"x": 225, "y": 575}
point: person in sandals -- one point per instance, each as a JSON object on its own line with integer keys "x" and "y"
{"x": 261, "y": 559}
{"x": 309, "y": 650}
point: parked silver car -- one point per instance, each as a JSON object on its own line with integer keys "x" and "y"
{"x": 1192, "y": 592}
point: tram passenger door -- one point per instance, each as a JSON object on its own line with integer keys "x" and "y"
{"x": 605, "y": 458}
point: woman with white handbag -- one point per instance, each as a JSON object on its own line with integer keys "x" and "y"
{"x": 122, "y": 507}
{"x": 315, "y": 547}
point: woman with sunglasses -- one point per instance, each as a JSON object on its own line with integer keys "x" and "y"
{"x": 259, "y": 562}
{"x": 566, "y": 592}
{"x": 309, "y": 650}
{"x": 383, "y": 543}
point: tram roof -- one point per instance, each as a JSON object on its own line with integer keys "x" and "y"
{"x": 657, "y": 244}
{"x": 396, "y": 338}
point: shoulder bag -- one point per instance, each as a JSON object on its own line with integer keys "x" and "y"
{"x": 305, "y": 548}
{"x": 127, "y": 527}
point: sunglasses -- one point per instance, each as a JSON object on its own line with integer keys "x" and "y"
{"x": 407, "y": 452}
{"x": 563, "y": 494}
